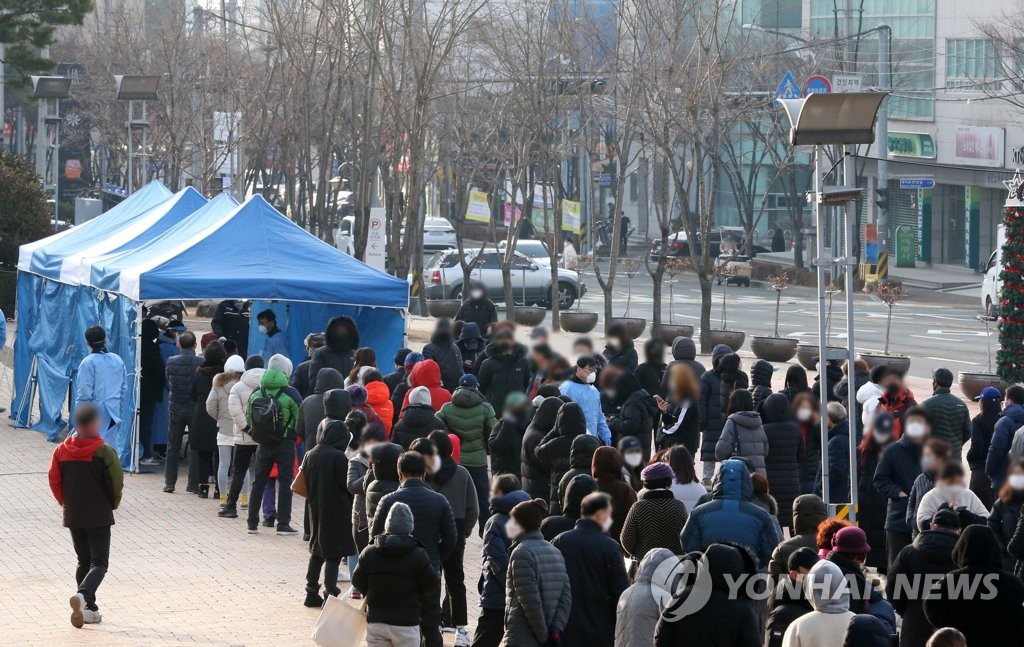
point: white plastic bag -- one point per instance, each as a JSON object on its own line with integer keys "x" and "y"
{"x": 339, "y": 624}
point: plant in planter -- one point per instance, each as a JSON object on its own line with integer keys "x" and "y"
{"x": 972, "y": 383}
{"x": 731, "y": 338}
{"x": 579, "y": 321}
{"x": 635, "y": 325}
{"x": 889, "y": 293}
{"x": 526, "y": 314}
{"x": 775, "y": 349}
{"x": 807, "y": 354}
{"x": 443, "y": 307}
{"x": 668, "y": 332}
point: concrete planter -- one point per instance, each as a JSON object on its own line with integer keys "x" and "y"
{"x": 576, "y": 321}
{"x": 443, "y": 307}
{"x": 731, "y": 338}
{"x": 773, "y": 349}
{"x": 807, "y": 354}
{"x": 972, "y": 383}
{"x": 635, "y": 326}
{"x": 529, "y": 315}
{"x": 899, "y": 362}
{"x": 668, "y": 332}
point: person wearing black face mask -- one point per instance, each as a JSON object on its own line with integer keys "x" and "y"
{"x": 478, "y": 308}
{"x": 878, "y": 436}
{"x": 443, "y": 350}
{"x": 505, "y": 443}
{"x": 505, "y": 368}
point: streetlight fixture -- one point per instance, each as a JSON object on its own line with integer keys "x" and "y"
{"x": 136, "y": 89}
{"x": 50, "y": 90}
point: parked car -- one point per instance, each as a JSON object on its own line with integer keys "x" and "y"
{"x": 535, "y": 249}
{"x": 438, "y": 233}
{"x": 531, "y": 282}
{"x": 678, "y": 243}
{"x": 345, "y": 235}
{"x": 992, "y": 284}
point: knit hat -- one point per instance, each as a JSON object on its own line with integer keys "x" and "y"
{"x": 804, "y": 557}
{"x": 656, "y": 472}
{"x": 946, "y": 518}
{"x": 253, "y": 361}
{"x": 469, "y": 380}
{"x": 400, "y": 356}
{"x": 356, "y": 391}
{"x": 280, "y": 363}
{"x": 411, "y": 360}
{"x": 851, "y": 540}
{"x": 235, "y": 364}
{"x": 529, "y": 514}
{"x": 420, "y": 395}
{"x": 210, "y": 337}
{"x": 515, "y": 399}
{"x": 538, "y": 331}
{"x": 400, "y": 520}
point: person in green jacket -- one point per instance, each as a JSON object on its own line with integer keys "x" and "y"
{"x": 951, "y": 421}
{"x": 470, "y": 417}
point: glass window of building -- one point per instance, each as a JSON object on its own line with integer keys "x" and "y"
{"x": 972, "y": 65}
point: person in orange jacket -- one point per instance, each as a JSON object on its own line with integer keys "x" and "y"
{"x": 427, "y": 373}
{"x": 379, "y": 398}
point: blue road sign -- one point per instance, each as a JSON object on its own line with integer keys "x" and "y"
{"x": 788, "y": 88}
{"x": 917, "y": 183}
{"x": 817, "y": 85}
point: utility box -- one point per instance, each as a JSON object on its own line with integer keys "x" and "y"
{"x": 86, "y": 209}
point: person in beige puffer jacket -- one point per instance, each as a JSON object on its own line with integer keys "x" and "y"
{"x": 245, "y": 446}
{"x": 217, "y": 407}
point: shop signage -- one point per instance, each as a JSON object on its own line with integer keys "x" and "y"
{"x": 979, "y": 146}
{"x": 911, "y": 145}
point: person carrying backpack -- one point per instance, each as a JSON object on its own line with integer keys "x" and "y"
{"x": 272, "y": 413}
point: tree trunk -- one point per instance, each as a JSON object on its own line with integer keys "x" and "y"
{"x": 704, "y": 280}
{"x": 659, "y": 275}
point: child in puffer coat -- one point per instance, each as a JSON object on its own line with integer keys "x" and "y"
{"x": 379, "y": 398}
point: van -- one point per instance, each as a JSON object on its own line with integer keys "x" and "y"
{"x": 992, "y": 284}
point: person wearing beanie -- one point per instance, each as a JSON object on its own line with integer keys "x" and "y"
{"x": 396, "y": 377}
{"x": 710, "y": 411}
{"x": 471, "y": 418}
{"x": 395, "y": 575}
{"x": 427, "y": 373}
{"x": 761, "y": 382}
{"x": 417, "y": 420}
{"x": 274, "y": 386}
{"x": 360, "y": 402}
{"x": 245, "y": 446}
{"x": 218, "y": 407}
{"x": 443, "y": 350}
{"x": 849, "y": 551}
{"x": 657, "y": 518}
{"x": 789, "y": 600}
{"x": 538, "y": 588}
{"x": 102, "y": 381}
{"x": 505, "y": 442}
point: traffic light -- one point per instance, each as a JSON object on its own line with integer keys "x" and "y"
{"x": 883, "y": 198}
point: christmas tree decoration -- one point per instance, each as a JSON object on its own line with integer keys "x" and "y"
{"x": 1010, "y": 356}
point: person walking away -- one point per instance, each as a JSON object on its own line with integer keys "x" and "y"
{"x": 417, "y": 420}
{"x": 830, "y": 597}
{"x": 86, "y": 480}
{"x": 997, "y": 460}
{"x": 894, "y": 477}
{"x": 329, "y": 504}
{"x": 505, "y": 442}
{"x": 716, "y": 568}
{"x": 838, "y": 456}
{"x": 363, "y": 359}
{"x": 397, "y": 376}
{"x": 300, "y": 378}
{"x": 272, "y": 413}
{"x": 927, "y": 558}
{"x": 379, "y": 398}
{"x": 427, "y": 373}
{"x": 618, "y": 349}
{"x": 434, "y": 529}
{"x": 505, "y": 495}
{"x": 785, "y": 448}
{"x": 849, "y": 550}
{"x": 778, "y": 239}
{"x": 277, "y": 341}
{"x": 181, "y": 373}
{"x": 342, "y": 339}
{"x": 335, "y": 406}
{"x": 358, "y": 467}
{"x": 730, "y": 368}
{"x": 470, "y": 344}
{"x": 538, "y": 588}
{"x": 872, "y": 503}
{"x": 685, "y": 486}
{"x": 555, "y": 449}
{"x": 505, "y": 368}
{"x": 311, "y": 411}
{"x": 102, "y": 381}
{"x": 596, "y": 572}
{"x": 641, "y": 604}
{"x": 218, "y": 407}
{"x": 471, "y": 418}
{"x": 245, "y": 446}
{"x": 795, "y": 382}
{"x": 983, "y": 619}
{"x": 203, "y": 430}
{"x": 1006, "y": 511}
{"x": 807, "y": 513}
{"x": 395, "y": 574}
{"x": 443, "y": 350}
{"x": 656, "y": 519}
{"x": 710, "y": 413}
{"x": 951, "y": 490}
{"x": 607, "y": 471}
{"x": 478, "y": 309}
{"x": 951, "y": 421}
{"x": 934, "y": 457}
{"x": 581, "y": 459}
{"x": 382, "y": 478}
{"x": 679, "y": 419}
{"x": 536, "y": 474}
{"x": 861, "y": 376}
{"x": 652, "y": 372}
{"x": 743, "y": 434}
{"x": 983, "y": 427}
{"x": 789, "y": 601}
{"x": 761, "y": 382}
{"x": 683, "y": 353}
{"x": 638, "y": 413}
{"x": 805, "y": 410}
{"x": 152, "y": 384}
{"x": 581, "y": 390}
{"x": 231, "y": 321}
{"x": 576, "y": 490}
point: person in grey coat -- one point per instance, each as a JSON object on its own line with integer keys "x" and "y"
{"x": 640, "y": 605}
{"x": 537, "y": 587}
{"x": 709, "y": 411}
{"x": 743, "y": 434}
{"x": 443, "y": 350}
{"x": 311, "y": 411}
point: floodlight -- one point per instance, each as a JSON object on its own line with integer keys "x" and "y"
{"x": 51, "y": 87}
{"x": 137, "y": 87}
{"x": 825, "y": 119}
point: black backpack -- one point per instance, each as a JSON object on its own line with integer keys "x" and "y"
{"x": 266, "y": 422}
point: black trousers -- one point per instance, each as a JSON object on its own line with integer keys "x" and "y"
{"x": 490, "y": 628}
{"x": 282, "y": 455}
{"x": 453, "y": 608}
{"x": 330, "y": 568}
{"x": 482, "y": 484}
{"x": 175, "y": 437}
{"x": 241, "y": 463}
{"x": 430, "y": 623}
{"x": 92, "y": 546}
{"x": 895, "y": 541}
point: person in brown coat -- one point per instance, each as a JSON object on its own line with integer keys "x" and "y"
{"x": 607, "y": 471}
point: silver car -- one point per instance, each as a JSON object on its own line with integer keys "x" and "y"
{"x": 531, "y": 282}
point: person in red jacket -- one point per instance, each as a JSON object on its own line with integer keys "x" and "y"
{"x": 86, "y": 480}
{"x": 427, "y": 373}
{"x": 379, "y": 397}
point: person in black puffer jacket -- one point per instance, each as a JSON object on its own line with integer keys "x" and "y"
{"x": 417, "y": 420}
{"x": 683, "y": 352}
{"x": 581, "y": 458}
{"x": 638, "y": 413}
{"x": 494, "y": 564}
{"x": 833, "y": 373}
{"x": 580, "y": 486}
{"x": 311, "y": 411}
{"x": 342, "y": 341}
{"x": 711, "y": 413}
{"x": 505, "y": 442}
{"x": 761, "y": 382}
{"x": 382, "y": 478}
{"x": 861, "y": 376}
{"x": 555, "y": 448}
{"x": 894, "y": 477}
{"x": 505, "y": 369}
{"x": 618, "y": 350}
{"x": 652, "y": 372}
{"x": 1006, "y": 511}
{"x": 443, "y": 350}
{"x": 535, "y": 474}
{"x": 202, "y": 431}
{"x": 785, "y": 443}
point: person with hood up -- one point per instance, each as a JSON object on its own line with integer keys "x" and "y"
{"x": 418, "y": 419}
{"x": 478, "y": 309}
{"x": 470, "y": 344}
{"x": 651, "y": 373}
{"x": 983, "y": 619}
{"x": 311, "y": 411}
{"x": 983, "y": 427}
{"x": 579, "y": 487}
{"x": 789, "y": 600}
{"x": 657, "y": 517}
{"x": 535, "y": 473}
{"x": 471, "y": 418}
{"x": 730, "y": 369}
{"x": 951, "y": 421}
{"x": 723, "y": 619}
{"x": 872, "y": 503}
{"x": 683, "y": 353}
{"x": 618, "y": 348}
{"x": 202, "y": 431}
{"x": 1005, "y": 515}
{"x": 335, "y": 407}
{"x": 761, "y": 382}
{"x": 785, "y": 447}
{"x": 581, "y": 390}
{"x": 861, "y": 376}
{"x": 607, "y": 471}
{"x": 217, "y": 405}
{"x": 869, "y": 396}
{"x": 395, "y": 575}
{"x": 152, "y": 384}
{"x": 597, "y": 574}
{"x": 832, "y": 374}
{"x": 505, "y": 368}
{"x": 274, "y": 384}
{"x": 103, "y": 381}
{"x": 555, "y": 448}
{"x": 505, "y": 495}
{"x": 581, "y": 458}
{"x": 427, "y": 373}
{"x": 329, "y": 504}
{"x": 731, "y": 517}
{"x": 829, "y": 593}
{"x": 378, "y": 397}
{"x": 396, "y": 377}
{"x": 443, "y": 350}
{"x": 710, "y": 411}
{"x": 998, "y": 458}
{"x": 358, "y": 466}
{"x": 679, "y": 420}
{"x": 641, "y": 604}
{"x": 382, "y": 477}
{"x": 638, "y": 413}
{"x": 342, "y": 337}
{"x": 849, "y": 550}
{"x": 894, "y": 477}
{"x": 505, "y": 442}
{"x": 929, "y": 556}
{"x": 245, "y": 446}
{"x": 808, "y": 512}
{"x": 538, "y": 589}
{"x": 743, "y": 434}
{"x": 838, "y": 456}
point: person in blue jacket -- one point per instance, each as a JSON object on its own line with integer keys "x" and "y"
{"x": 838, "y": 456}
{"x": 505, "y": 494}
{"x": 102, "y": 380}
{"x": 998, "y": 459}
{"x": 277, "y": 341}
{"x": 731, "y": 517}
{"x": 581, "y": 390}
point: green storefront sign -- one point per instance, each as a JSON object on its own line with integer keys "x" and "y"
{"x": 906, "y": 246}
{"x": 911, "y": 145}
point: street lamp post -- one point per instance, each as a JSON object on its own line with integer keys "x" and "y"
{"x": 50, "y": 90}
{"x": 136, "y": 89}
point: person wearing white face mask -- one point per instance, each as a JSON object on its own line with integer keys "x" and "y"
{"x": 934, "y": 456}
{"x": 581, "y": 390}
{"x": 477, "y": 309}
{"x": 277, "y": 341}
{"x": 897, "y": 469}
{"x": 952, "y": 490}
{"x": 1006, "y": 511}
{"x": 594, "y": 563}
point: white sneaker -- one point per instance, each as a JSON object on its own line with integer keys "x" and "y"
{"x": 461, "y": 637}
{"x": 93, "y": 617}
{"x": 78, "y": 610}
{"x": 344, "y": 576}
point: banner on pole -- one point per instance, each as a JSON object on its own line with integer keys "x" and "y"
{"x": 479, "y": 207}
{"x": 571, "y": 216}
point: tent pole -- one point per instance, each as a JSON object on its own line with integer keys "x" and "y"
{"x": 137, "y": 417}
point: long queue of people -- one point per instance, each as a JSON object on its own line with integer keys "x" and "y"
{"x": 581, "y": 477}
